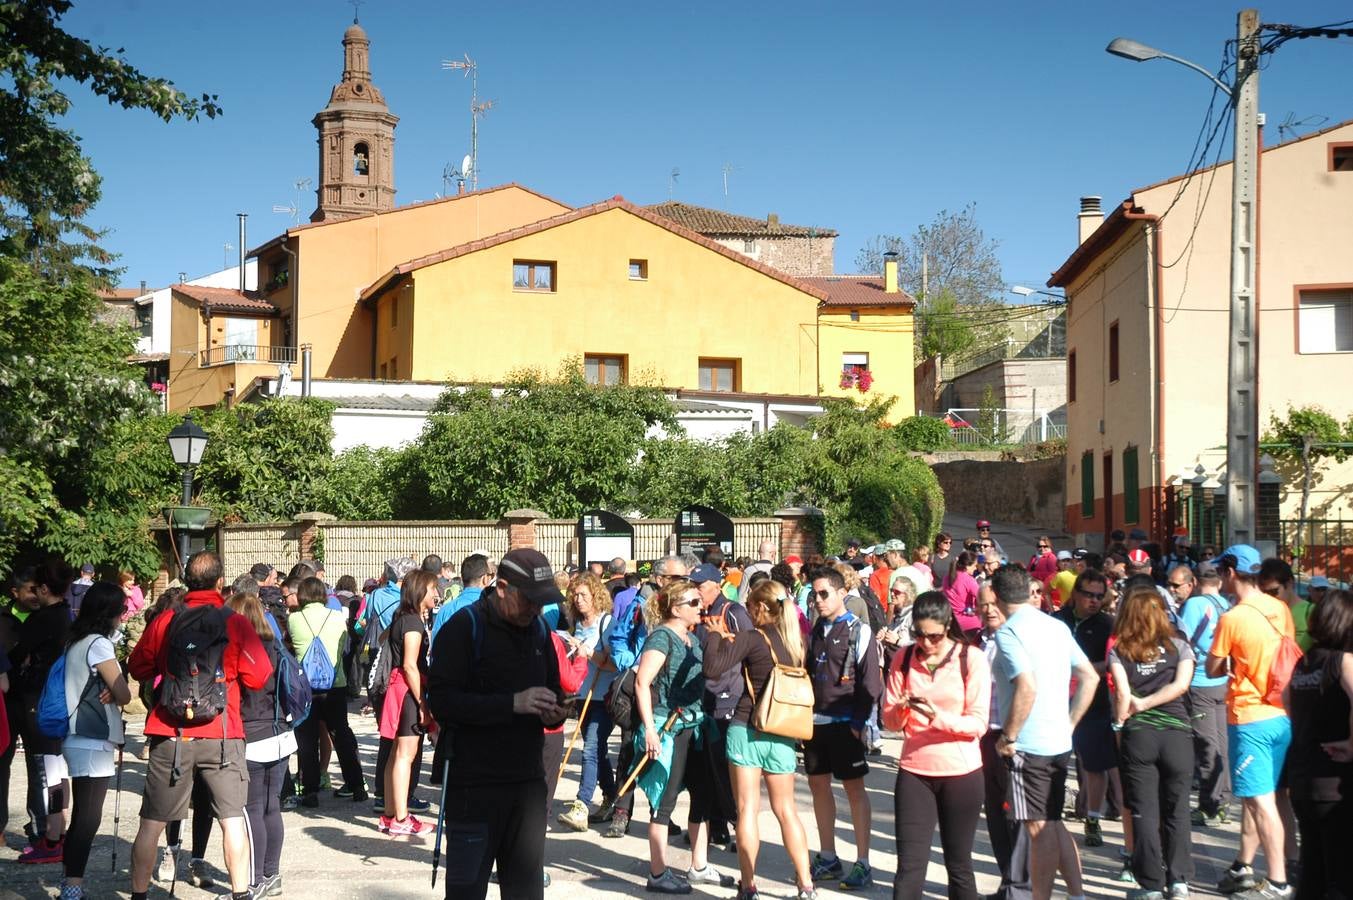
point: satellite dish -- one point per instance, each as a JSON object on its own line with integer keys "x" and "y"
{"x": 465, "y": 165}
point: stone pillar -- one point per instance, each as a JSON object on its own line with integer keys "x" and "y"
{"x": 521, "y": 527}
{"x": 1268, "y": 526}
{"x": 800, "y": 530}
{"x": 310, "y": 540}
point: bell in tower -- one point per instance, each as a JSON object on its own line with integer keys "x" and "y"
{"x": 356, "y": 140}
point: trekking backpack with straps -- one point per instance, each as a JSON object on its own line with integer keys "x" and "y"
{"x": 294, "y": 696}
{"x": 319, "y": 669}
{"x": 193, "y": 691}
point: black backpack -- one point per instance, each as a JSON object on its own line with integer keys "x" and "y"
{"x": 878, "y": 616}
{"x": 193, "y": 691}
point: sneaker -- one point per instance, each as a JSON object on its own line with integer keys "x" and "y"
{"x": 377, "y": 803}
{"x": 1094, "y": 837}
{"x": 1125, "y": 875}
{"x": 574, "y": 816}
{"x": 603, "y": 813}
{"x": 1232, "y": 880}
{"x": 861, "y": 877}
{"x": 1203, "y": 818}
{"x": 666, "y": 883}
{"x": 749, "y": 894}
{"x": 545, "y": 879}
{"x": 346, "y": 792}
{"x": 43, "y": 852}
{"x": 288, "y": 804}
{"x": 383, "y": 824}
{"x": 418, "y": 805}
{"x": 809, "y": 894}
{"x": 620, "y": 824}
{"x": 824, "y": 870}
{"x": 360, "y": 795}
{"x": 674, "y": 830}
{"x": 72, "y": 891}
{"x": 410, "y": 826}
{"x": 1178, "y": 891}
{"x": 310, "y": 801}
{"x": 710, "y": 875}
{"x": 1266, "y": 891}
{"x": 166, "y": 867}
{"x": 268, "y": 887}
{"x": 198, "y": 875}
{"x": 1144, "y": 894}
{"x": 324, "y": 783}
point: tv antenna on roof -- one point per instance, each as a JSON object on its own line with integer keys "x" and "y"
{"x": 477, "y": 109}
{"x": 451, "y": 173}
{"x": 671, "y": 182}
{"x": 294, "y": 210}
{"x": 1291, "y": 125}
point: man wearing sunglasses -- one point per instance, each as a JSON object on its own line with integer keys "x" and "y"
{"x": 1093, "y": 740}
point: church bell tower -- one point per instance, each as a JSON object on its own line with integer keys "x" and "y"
{"x": 356, "y": 140}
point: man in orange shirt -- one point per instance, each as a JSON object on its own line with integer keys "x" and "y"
{"x": 1248, "y": 637}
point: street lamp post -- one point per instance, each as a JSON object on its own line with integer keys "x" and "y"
{"x": 186, "y": 442}
{"x": 1242, "y": 409}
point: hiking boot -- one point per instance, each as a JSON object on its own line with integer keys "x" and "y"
{"x": 574, "y": 816}
{"x": 166, "y": 867}
{"x": 1094, "y": 837}
{"x": 1233, "y": 880}
{"x": 198, "y": 875}
{"x": 1266, "y": 891}
{"x": 666, "y": 883}
{"x": 861, "y": 877}
{"x": 409, "y": 826}
{"x": 603, "y": 813}
{"x": 1178, "y": 891}
{"x": 824, "y": 870}
{"x": 710, "y": 875}
{"x": 620, "y": 824}
{"x": 43, "y": 852}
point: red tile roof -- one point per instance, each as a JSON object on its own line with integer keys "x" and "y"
{"x": 583, "y": 212}
{"x": 858, "y": 290}
{"x": 398, "y": 209}
{"x": 215, "y": 299}
{"x": 704, "y": 220}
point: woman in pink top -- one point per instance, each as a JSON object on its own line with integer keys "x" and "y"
{"x": 961, "y": 589}
{"x": 938, "y": 694}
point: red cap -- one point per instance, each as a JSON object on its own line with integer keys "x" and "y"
{"x": 982, "y": 523}
{"x": 1138, "y": 557}
{"x": 794, "y": 558}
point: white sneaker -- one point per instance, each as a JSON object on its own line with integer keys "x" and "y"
{"x": 1178, "y": 891}
{"x": 167, "y": 865}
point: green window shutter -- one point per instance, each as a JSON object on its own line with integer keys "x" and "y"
{"x": 1087, "y": 484}
{"x": 1131, "y": 497}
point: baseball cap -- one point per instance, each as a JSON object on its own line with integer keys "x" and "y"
{"x": 705, "y": 572}
{"x": 529, "y": 571}
{"x": 1139, "y": 557}
{"x": 1318, "y": 581}
{"x": 87, "y": 569}
{"x": 794, "y": 558}
{"x": 1137, "y": 534}
{"x": 1079, "y": 553}
{"x": 1243, "y": 558}
{"x": 853, "y": 543}
{"x": 982, "y": 523}
{"x": 896, "y": 544}
{"x": 398, "y": 567}
{"x": 1064, "y": 555}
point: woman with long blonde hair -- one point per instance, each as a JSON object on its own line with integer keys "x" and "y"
{"x": 754, "y": 755}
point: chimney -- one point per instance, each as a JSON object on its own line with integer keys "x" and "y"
{"x": 773, "y": 223}
{"x": 242, "y": 217}
{"x": 460, "y": 187}
{"x": 143, "y": 285}
{"x": 890, "y": 272}
{"x": 1091, "y": 217}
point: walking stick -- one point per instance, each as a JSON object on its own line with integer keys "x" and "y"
{"x": 117, "y": 805}
{"x": 643, "y": 760}
{"x": 582, "y": 716}
{"x": 441, "y": 818}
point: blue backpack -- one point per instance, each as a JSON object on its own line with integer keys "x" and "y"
{"x": 53, "y": 715}
{"x": 293, "y": 695}
{"x": 318, "y": 668}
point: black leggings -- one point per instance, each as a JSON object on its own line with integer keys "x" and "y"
{"x": 86, "y": 813}
{"x": 202, "y": 821}
{"x": 264, "y": 817}
{"x": 1156, "y": 765}
{"x": 919, "y": 801}
{"x": 331, "y": 708}
{"x": 676, "y": 779}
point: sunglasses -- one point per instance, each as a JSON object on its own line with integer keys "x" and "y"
{"x": 1180, "y": 584}
{"x": 1044, "y": 546}
{"x": 694, "y": 601}
{"x": 927, "y": 637}
{"x": 822, "y": 594}
{"x": 898, "y": 592}
{"x": 1094, "y": 595}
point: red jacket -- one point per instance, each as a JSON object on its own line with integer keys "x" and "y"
{"x": 572, "y": 673}
{"x": 245, "y": 663}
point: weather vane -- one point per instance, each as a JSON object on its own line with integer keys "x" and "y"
{"x": 356, "y": 8}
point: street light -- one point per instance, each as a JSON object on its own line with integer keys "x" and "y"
{"x": 1242, "y": 413}
{"x": 186, "y": 443}
{"x": 1028, "y": 291}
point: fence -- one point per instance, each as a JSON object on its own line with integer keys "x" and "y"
{"x": 1319, "y": 547}
{"x": 230, "y": 353}
{"x": 361, "y": 548}
{"x": 1200, "y": 509}
{"x": 982, "y": 427}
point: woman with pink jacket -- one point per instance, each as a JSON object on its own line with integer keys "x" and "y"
{"x": 938, "y": 694}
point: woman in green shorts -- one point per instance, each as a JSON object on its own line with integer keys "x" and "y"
{"x": 752, "y": 754}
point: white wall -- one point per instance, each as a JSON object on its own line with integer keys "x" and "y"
{"x": 158, "y": 342}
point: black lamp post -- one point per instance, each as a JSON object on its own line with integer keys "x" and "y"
{"x": 186, "y": 442}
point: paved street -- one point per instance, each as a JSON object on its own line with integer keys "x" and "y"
{"x": 335, "y": 852}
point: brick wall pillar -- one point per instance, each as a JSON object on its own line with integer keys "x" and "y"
{"x": 521, "y": 527}
{"x": 800, "y": 530}
{"x": 308, "y": 537}
{"x": 1267, "y": 526}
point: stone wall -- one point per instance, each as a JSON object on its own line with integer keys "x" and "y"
{"x": 790, "y": 254}
{"x": 1025, "y": 492}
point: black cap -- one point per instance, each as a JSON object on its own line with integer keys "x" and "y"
{"x": 529, "y": 571}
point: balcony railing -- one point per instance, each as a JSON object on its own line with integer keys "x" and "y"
{"x": 237, "y": 353}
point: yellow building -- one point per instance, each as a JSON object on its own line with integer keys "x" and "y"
{"x": 867, "y": 325}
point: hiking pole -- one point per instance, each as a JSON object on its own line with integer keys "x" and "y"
{"x": 643, "y": 761}
{"x": 117, "y": 805}
{"x": 441, "y": 819}
{"x": 582, "y": 717}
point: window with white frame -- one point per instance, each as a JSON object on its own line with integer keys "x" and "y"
{"x": 1325, "y": 321}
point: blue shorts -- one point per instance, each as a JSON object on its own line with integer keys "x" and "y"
{"x": 1258, "y": 750}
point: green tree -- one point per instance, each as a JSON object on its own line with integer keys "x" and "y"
{"x": 897, "y": 497}
{"x": 360, "y": 484}
{"x": 991, "y": 425}
{"x": 923, "y": 433}
{"x": 1300, "y": 441}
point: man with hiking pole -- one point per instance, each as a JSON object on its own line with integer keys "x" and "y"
{"x": 493, "y": 685}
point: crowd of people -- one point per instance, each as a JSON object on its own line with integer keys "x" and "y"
{"x": 1149, "y": 674}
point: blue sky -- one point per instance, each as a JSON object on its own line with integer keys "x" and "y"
{"x": 865, "y": 117}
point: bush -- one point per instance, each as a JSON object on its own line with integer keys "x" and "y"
{"x": 899, "y": 499}
{"x": 923, "y": 433}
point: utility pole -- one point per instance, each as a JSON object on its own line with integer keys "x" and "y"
{"x": 1242, "y": 409}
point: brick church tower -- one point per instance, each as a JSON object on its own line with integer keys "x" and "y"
{"x": 356, "y": 140}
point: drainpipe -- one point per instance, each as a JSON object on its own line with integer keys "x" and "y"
{"x": 242, "y": 217}
{"x": 1157, "y": 279}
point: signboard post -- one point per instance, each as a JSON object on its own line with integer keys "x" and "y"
{"x": 699, "y": 526}
{"x": 603, "y": 536}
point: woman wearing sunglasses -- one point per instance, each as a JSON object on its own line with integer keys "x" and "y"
{"x": 938, "y": 694}
{"x": 754, "y": 755}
